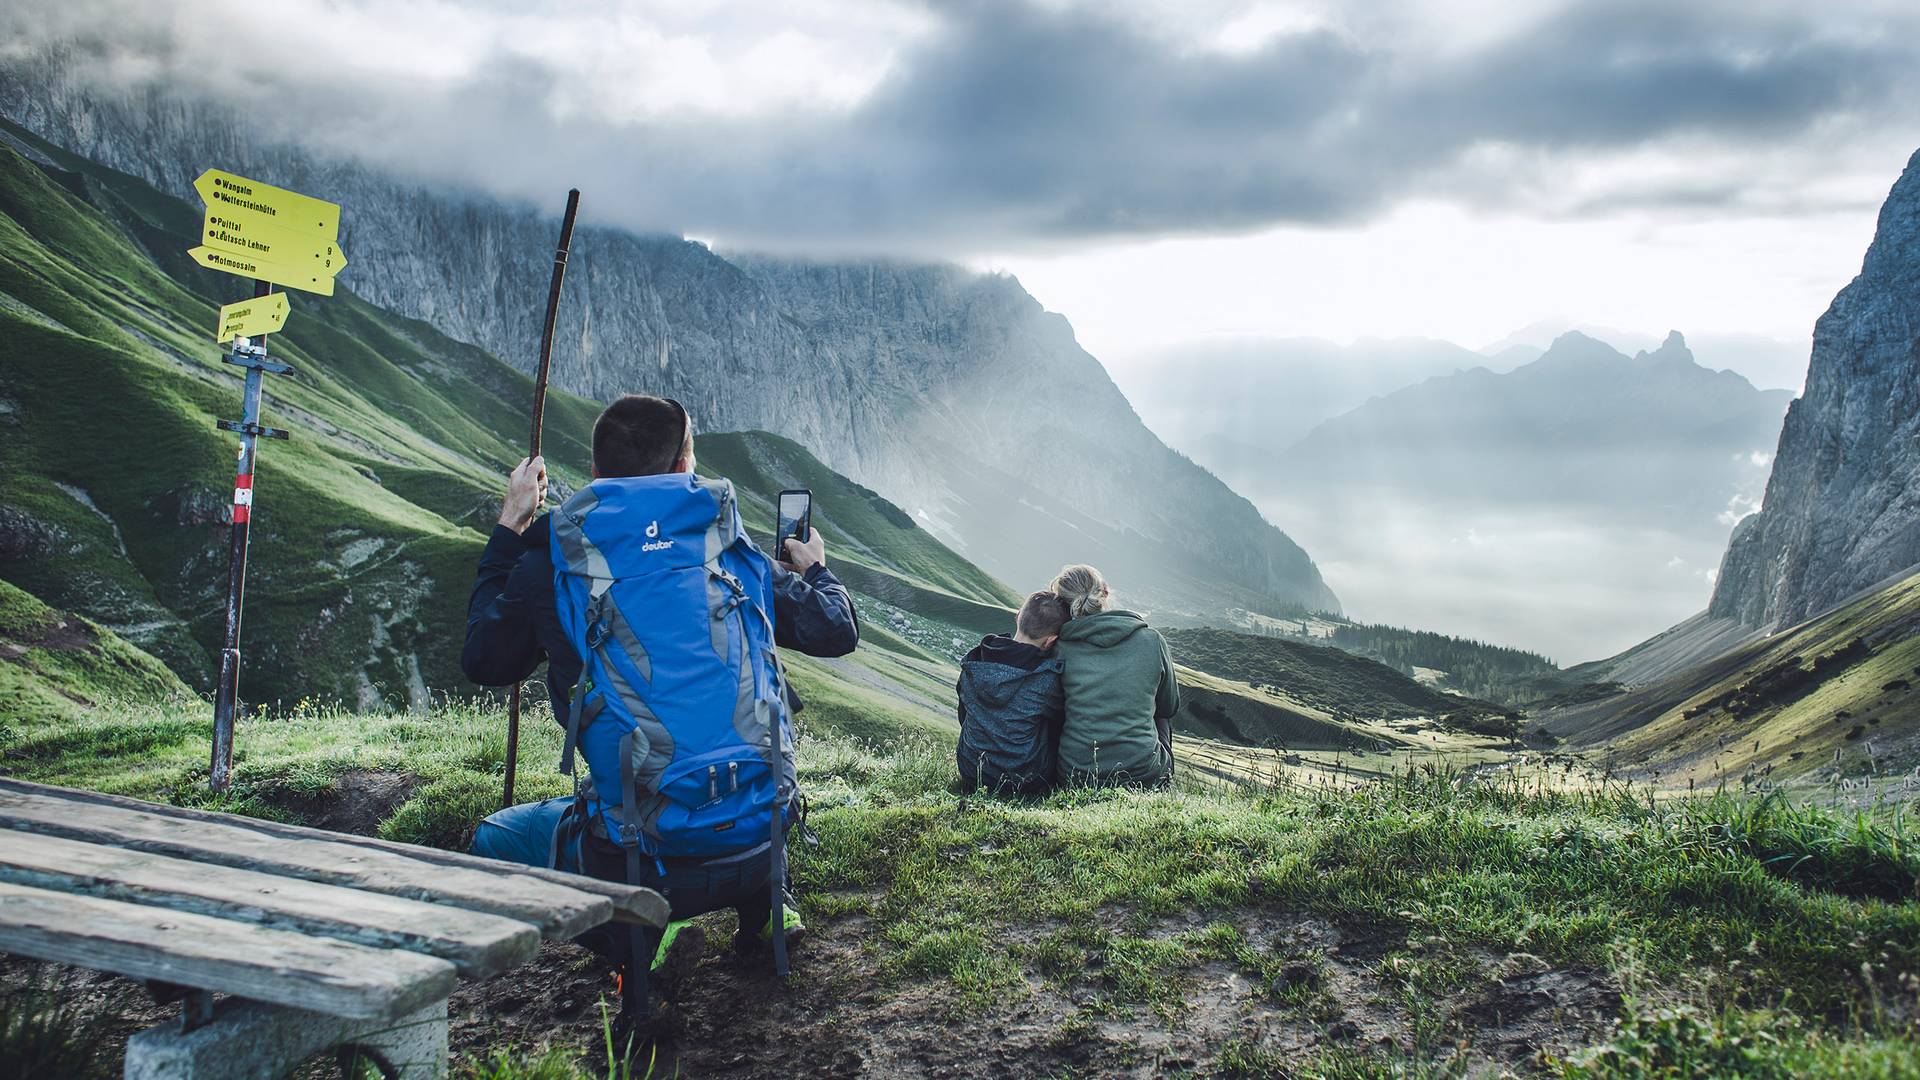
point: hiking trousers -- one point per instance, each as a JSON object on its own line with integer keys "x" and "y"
{"x": 524, "y": 834}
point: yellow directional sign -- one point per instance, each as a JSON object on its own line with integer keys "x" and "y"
{"x": 295, "y": 214}
{"x": 251, "y": 234}
{"x": 251, "y": 318}
{"x": 309, "y": 279}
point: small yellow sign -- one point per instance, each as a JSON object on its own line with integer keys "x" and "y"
{"x": 251, "y": 234}
{"x": 251, "y": 318}
{"x": 247, "y": 266}
{"x": 295, "y": 214}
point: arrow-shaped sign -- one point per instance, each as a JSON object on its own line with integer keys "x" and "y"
{"x": 247, "y": 266}
{"x": 245, "y": 233}
{"x": 251, "y": 318}
{"x": 295, "y": 214}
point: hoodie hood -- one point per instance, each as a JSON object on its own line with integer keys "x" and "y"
{"x": 1105, "y": 630}
{"x": 1000, "y": 669}
{"x": 1001, "y": 649}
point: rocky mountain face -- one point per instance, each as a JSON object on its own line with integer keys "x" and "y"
{"x": 952, "y": 393}
{"x": 1842, "y": 508}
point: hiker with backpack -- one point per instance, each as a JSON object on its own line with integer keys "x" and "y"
{"x": 658, "y": 620}
{"x": 1120, "y": 687}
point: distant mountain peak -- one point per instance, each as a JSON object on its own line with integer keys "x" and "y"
{"x": 1671, "y": 351}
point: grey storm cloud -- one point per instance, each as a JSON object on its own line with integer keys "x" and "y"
{"x": 1016, "y": 123}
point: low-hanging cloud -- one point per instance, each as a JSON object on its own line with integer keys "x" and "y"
{"x": 989, "y": 125}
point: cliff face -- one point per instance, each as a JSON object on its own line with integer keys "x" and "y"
{"x": 1842, "y": 508}
{"x": 952, "y": 393}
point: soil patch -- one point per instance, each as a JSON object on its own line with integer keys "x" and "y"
{"x": 57, "y": 635}
{"x": 357, "y": 802}
{"x": 840, "y": 1015}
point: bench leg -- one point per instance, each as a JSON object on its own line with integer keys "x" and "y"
{"x": 248, "y": 1040}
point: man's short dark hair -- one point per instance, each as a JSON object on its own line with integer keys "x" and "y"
{"x": 641, "y": 435}
{"x": 1041, "y": 616}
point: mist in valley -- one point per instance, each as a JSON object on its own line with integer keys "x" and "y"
{"x": 1571, "y": 501}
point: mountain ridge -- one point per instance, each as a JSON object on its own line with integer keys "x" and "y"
{"x": 905, "y": 412}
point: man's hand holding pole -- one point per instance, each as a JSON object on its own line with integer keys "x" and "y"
{"x": 526, "y": 494}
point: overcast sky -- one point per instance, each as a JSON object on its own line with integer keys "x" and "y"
{"x": 1157, "y": 171}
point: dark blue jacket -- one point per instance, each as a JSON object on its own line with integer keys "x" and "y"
{"x": 512, "y": 624}
{"x": 1011, "y": 709}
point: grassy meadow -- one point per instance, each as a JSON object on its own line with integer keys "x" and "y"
{"x": 1712, "y": 937}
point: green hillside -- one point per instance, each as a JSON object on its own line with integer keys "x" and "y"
{"x": 1832, "y": 700}
{"x": 114, "y": 482}
{"x": 59, "y": 667}
{"x": 1344, "y": 686}
{"x": 878, "y": 535}
{"x": 114, "y": 487}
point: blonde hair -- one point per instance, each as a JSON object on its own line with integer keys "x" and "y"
{"x": 1082, "y": 589}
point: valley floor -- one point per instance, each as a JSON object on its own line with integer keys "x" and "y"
{"x": 1428, "y": 922}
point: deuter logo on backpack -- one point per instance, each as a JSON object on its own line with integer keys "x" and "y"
{"x": 653, "y": 542}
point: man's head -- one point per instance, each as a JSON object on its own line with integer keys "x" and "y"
{"x": 642, "y": 435}
{"x": 1040, "y": 620}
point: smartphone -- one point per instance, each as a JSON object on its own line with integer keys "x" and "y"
{"x": 795, "y": 517}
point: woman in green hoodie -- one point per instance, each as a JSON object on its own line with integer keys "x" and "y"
{"x": 1121, "y": 692}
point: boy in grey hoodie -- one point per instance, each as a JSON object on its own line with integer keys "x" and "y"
{"x": 1011, "y": 705}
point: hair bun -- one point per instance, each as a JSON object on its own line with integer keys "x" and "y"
{"x": 1082, "y": 589}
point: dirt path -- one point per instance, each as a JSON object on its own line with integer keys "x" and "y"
{"x": 841, "y": 1016}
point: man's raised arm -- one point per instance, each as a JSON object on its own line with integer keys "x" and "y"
{"x": 812, "y": 611}
{"x": 501, "y": 647}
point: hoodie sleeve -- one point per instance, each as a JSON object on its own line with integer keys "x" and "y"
{"x": 1166, "y": 701}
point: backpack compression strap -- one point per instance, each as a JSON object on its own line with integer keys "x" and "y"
{"x": 776, "y": 763}
{"x": 783, "y": 797}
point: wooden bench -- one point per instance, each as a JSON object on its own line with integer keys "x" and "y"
{"x": 322, "y": 940}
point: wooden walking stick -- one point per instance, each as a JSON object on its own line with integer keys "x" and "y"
{"x": 533, "y": 445}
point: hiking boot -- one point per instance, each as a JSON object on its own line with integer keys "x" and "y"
{"x": 680, "y": 947}
{"x": 636, "y": 1044}
{"x": 747, "y": 943}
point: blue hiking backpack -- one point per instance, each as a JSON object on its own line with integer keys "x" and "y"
{"x": 680, "y": 710}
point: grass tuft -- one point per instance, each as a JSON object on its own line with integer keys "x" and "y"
{"x": 41, "y": 1036}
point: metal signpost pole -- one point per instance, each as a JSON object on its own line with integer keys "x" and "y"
{"x": 226, "y": 701}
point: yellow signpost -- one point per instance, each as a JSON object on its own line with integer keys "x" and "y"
{"x": 294, "y": 213}
{"x": 251, "y": 318}
{"x": 247, "y": 266}
{"x": 252, "y": 235}
{"x": 259, "y": 231}
{"x": 275, "y": 237}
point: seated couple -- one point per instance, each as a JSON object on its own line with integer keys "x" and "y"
{"x": 1083, "y": 693}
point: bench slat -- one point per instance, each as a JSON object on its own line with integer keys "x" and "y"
{"x": 558, "y": 911}
{"x": 478, "y": 944}
{"x": 630, "y": 903}
{"x": 275, "y": 966}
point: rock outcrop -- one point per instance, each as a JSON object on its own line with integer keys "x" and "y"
{"x": 1842, "y": 508}
{"x": 953, "y": 393}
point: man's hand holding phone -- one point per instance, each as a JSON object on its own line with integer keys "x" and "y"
{"x": 799, "y": 557}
